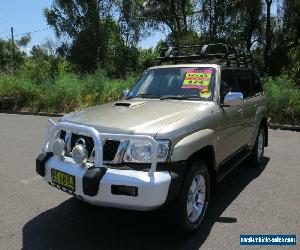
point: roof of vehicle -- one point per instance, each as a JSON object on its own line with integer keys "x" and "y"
{"x": 185, "y": 65}
{"x": 191, "y": 65}
{"x": 209, "y": 54}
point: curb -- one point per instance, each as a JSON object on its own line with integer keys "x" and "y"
{"x": 31, "y": 113}
{"x": 284, "y": 127}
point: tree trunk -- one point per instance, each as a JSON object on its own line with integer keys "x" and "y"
{"x": 210, "y": 21}
{"x": 268, "y": 36}
{"x": 215, "y": 21}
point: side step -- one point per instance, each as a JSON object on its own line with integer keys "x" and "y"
{"x": 232, "y": 162}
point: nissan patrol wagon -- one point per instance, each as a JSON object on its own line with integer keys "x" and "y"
{"x": 182, "y": 128}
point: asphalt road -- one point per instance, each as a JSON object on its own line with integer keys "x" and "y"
{"x": 33, "y": 215}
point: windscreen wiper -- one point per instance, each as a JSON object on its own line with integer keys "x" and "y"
{"x": 144, "y": 96}
{"x": 181, "y": 97}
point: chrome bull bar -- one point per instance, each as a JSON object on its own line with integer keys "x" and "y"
{"x": 98, "y": 139}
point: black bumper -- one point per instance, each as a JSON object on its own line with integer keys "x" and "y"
{"x": 40, "y": 163}
{"x": 91, "y": 180}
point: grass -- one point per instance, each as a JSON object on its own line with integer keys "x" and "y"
{"x": 67, "y": 92}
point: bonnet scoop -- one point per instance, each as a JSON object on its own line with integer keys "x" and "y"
{"x": 128, "y": 104}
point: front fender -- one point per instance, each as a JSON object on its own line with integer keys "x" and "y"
{"x": 260, "y": 113}
{"x": 192, "y": 143}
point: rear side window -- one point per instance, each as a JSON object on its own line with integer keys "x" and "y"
{"x": 243, "y": 79}
{"x": 227, "y": 83}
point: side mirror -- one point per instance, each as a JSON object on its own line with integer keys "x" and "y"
{"x": 233, "y": 99}
{"x": 125, "y": 93}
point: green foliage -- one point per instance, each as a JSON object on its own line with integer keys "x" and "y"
{"x": 64, "y": 66}
{"x": 67, "y": 92}
{"x": 284, "y": 100}
{"x": 24, "y": 40}
{"x": 146, "y": 59}
{"x": 293, "y": 68}
{"x": 64, "y": 94}
{"x": 11, "y": 56}
{"x": 95, "y": 38}
{"x": 23, "y": 89}
{"x": 37, "y": 70}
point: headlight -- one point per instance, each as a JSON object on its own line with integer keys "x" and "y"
{"x": 79, "y": 154}
{"x": 59, "y": 148}
{"x": 140, "y": 151}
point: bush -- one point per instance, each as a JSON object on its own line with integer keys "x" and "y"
{"x": 23, "y": 89}
{"x": 283, "y": 99}
{"x": 146, "y": 59}
{"x": 37, "y": 71}
{"x": 67, "y": 92}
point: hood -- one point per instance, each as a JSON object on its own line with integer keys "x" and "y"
{"x": 136, "y": 116}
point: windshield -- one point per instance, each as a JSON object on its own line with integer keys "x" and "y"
{"x": 177, "y": 83}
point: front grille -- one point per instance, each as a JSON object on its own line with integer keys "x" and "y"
{"x": 110, "y": 147}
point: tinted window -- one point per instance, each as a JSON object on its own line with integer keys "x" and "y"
{"x": 227, "y": 83}
{"x": 243, "y": 78}
{"x": 249, "y": 86}
{"x": 256, "y": 83}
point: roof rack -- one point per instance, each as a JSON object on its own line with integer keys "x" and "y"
{"x": 218, "y": 53}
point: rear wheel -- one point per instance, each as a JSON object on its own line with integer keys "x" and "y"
{"x": 191, "y": 205}
{"x": 258, "y": 149}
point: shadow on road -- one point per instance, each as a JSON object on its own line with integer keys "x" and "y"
{"x": 75, "y": 225}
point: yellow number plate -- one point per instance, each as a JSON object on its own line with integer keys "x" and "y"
{"x": 62, "y": 179}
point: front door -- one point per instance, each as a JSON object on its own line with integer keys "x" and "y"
{"x": 231, "y": 120}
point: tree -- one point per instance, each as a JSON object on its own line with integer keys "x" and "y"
{"x": 285, "y": 48}
{"x": 171, "y": 13}
{"x": 252, "y": 12}
{"x": 83, "y": 22}
{"x": 93, "y": 36}
{"x": 11, "y": 55}
{"x": 292, "y": 22}
{"x": 24, "y": 41}
{"x": 268, "y": 36}
{"x": 130, "y": 21}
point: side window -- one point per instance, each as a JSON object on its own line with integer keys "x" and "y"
{"x": 243, "y": 78}
{"x": 249, "y": 80}
{"x": 227, "y": 83}
{"x": 256, "y": 83}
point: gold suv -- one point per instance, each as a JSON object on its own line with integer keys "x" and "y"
{"x": 182, "y": 128}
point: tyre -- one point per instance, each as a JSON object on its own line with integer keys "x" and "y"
{"x": 190, "y": 206}
{"x": 258, "y": 149}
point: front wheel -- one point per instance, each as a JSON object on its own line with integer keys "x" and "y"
{"x": 258, "y": 149}
{"x": 191, "y": 205}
